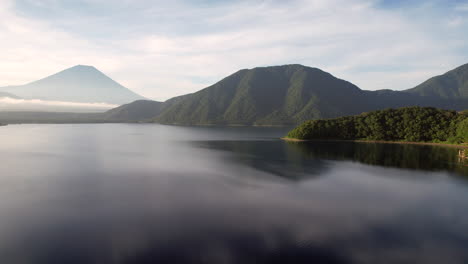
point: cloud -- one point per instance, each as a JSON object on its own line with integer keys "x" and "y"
{"x": 11, "y": 104}
{"x": 165, "y": 49}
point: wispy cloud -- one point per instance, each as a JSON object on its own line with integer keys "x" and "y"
{"x": 161, "y": 49}
{"x": 11, "y": 104}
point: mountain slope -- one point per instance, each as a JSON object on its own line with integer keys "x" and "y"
{"x": 136, "y": 111}
{"x": 278, "y": 95}
{"x": 451, "y": 85}
{"x": 287, "y": 95}
{"x": 77, "y": 84}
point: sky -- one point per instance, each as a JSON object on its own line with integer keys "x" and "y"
{"x": 162, "y": 49}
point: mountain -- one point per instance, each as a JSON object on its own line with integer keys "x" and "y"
{"x": 278, "y": 95}
{"x": 141, "y": 110}
{"x": 287, "y": 95}
{"x": 77, "y": 84}
{"x": 451, "y": 85}
{"x": 2, "y": 94}
{"x": 381, "y": 99}
{"x": 136, "y": 111}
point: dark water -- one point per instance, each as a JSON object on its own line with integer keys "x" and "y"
{"x": 160, "y": 194}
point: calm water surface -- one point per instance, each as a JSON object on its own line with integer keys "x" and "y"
{"x": 121, "y": 193}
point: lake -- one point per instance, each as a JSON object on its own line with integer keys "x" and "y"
{"x": 144, "y": 193}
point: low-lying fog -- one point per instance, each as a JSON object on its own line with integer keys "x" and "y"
{"x": 12, "y": 104}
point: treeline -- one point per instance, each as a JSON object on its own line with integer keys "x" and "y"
{"x": 417, "y": 124}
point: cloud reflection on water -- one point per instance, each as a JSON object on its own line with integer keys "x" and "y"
{"x": 146, "y": 200}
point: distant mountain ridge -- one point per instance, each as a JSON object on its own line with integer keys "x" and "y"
{"x": 77, "y": 84}
{"x": 140, "y": 110}
{"x": 264, "y": 96}
{"x": 275, "y": 95}
{"x": 291, "y": 94}
{"x": 451, "y": 85}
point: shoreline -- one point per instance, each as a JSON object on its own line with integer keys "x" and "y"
{"x": 378, "y": 141}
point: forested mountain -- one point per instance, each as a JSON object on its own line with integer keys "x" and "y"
{"x": 77, "y": 84}
{"x": 137, "y": 111}
{"x": 278, "y": 95}
{"x": 140, "y": 110}
{"x": 288, "y": 95}
{"x": 267, "y": 96}
{"x": 451, "y": 85}
{"x": 418, "y": 124}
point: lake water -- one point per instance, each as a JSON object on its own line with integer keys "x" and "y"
{"x": 134, "y": 193}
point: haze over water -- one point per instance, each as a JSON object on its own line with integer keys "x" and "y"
{"x": 132, "y": 193}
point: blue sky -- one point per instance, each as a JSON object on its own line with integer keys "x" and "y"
{"x": 162, "y": 49}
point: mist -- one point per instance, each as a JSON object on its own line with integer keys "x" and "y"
{"x": 12, "y": 104}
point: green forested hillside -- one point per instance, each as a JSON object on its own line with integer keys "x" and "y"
{"x": 289, "y": 95}
{"x": 268, "y": 96}
{"x": 139, "y": 111}
{"x": 424, "y": 124}
{"x": 285, "y": 95}
{"x": 451, "y": 85}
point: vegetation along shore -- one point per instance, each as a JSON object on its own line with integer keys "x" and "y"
{"x": 409, "y": 125}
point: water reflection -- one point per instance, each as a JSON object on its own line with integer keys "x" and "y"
{"x": 140, "y": 194}
{"x": 172, "y": 219}
{"x": 298, "y": 160}
{"x": 406, "y": 156}
{"x": 274, "y": 157}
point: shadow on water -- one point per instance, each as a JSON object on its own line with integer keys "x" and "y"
{"x": 298, "y": 160}
{"x": 404, "y": 156}
{"x": 274, "y": 157}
